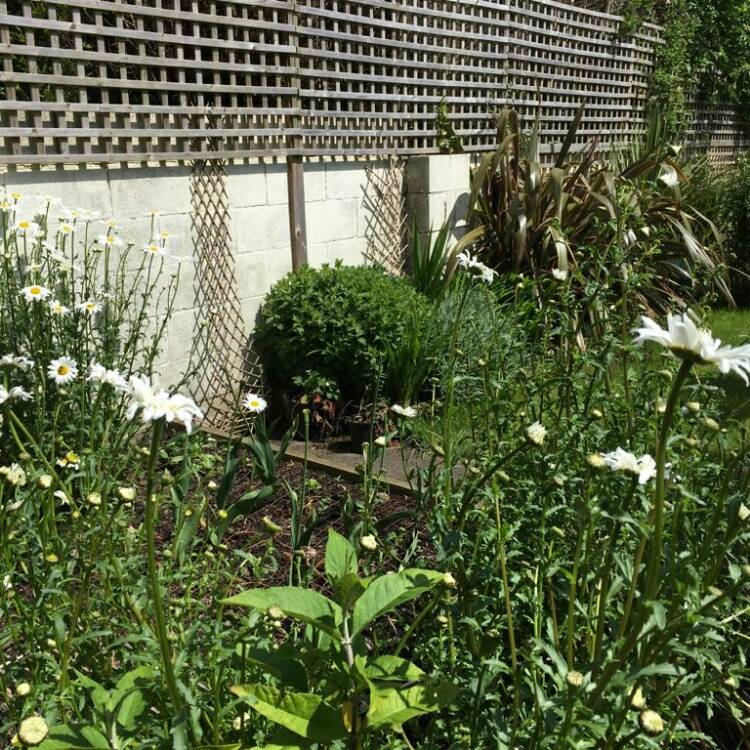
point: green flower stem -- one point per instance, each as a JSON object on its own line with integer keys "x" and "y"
{"x": 161, "y": 628}
{"x": 652, "y": 582}
{"x": 509, "y": 615}
{"x": 416, "y": 622}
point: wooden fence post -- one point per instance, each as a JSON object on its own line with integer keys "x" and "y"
{"x": 295, "y": 180}
{"x": 295, "y": 168}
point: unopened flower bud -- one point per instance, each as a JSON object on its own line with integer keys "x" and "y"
{"x": 638, "y": 701}
{"x": 23, "y": 689}
{"x": 32, "y": 730}
{"x": 651, "y": 722}
{"x": 574, "y": 678}
{"x": 369, "y": 542}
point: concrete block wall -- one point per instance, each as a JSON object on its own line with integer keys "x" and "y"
{"x": 258, "y": 223}
{"x": 437, "y": 190}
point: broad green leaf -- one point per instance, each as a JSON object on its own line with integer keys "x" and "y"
{"x": 136, "y": 678}
{"x": 281, "y": 665}
{"x": 64, "y": 737}
{"x": 341, "y": 557}
{"x": 99, "y": 695}
{"x": 389, "y": 591}
{"x": 298, "y": 603}
{"x": 130, "y": 708}
{"x": 391, "y": 707}
{"x": 349, "y": 589}
{"x": 392, "y": 669}
{"x": 304, "y": 714}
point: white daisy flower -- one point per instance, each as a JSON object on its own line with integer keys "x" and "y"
{"x": 686, "y": 341}
{"x": 35, "y": 293}
{"x": 404, "y": 411}
{"x": 536, "y": 433}
{"x": 471, "y": 264}
{"x": 57, "y": 308}
{"x": 101, "y": 374}
{"x": 158, "y": 404}
{"x": 26, "y": 228}
{"x": 4, "y": 394}
{"x": 70, "y": 460}
{"x": 9, "y": 361}
{"x": 559, "y": 274}
{"x": 254, "y": 403}
{"x": 621, "y": 460}
{"x": 18, "y": 393}
{"x": 109, "y": 240}
{"x": 89, "y": 306}
{"x": 65, "y": 228}
{"x": 182, "y": 410}
{"x": 62, "y": 370}
{"x": 154, "y": 248}
{"x": 14, "y": 474}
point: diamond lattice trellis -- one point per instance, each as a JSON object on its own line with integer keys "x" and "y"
{"x": 224, "y": 361}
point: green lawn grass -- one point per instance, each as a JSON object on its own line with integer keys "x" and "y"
{"x": 733, "y": 327}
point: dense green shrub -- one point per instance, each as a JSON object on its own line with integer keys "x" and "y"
{"x": 736, "y": 203}
{"x": 341, "y": 321}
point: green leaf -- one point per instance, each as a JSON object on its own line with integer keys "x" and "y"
{"x": 392, "y": 669}
{"x": 389, "y": 591}
{"x": 247, "y": 504}
{"x": 281, "y": 665}
{"x": 99, "y": 695}
{"x": 341, "y": 557}
{"x": 304, "y": 714}
{"x": 130, "y": 708}
{"x": 393, "y": 706}
{"x": 298, "y": 603}
{"x": 64, "y": 737}
{"x": 348, "y": 589}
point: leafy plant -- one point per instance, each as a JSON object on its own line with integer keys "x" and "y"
{"x": 360, "y": 693}
{"x": 545, "y": 222}
{"x": 339, "y": 321}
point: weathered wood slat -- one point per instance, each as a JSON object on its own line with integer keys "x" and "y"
{"x": 133, "y": 80}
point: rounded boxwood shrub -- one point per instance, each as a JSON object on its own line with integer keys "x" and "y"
{"x": 340, "y": 321}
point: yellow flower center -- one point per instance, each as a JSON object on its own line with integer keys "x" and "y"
{"x": 35, "y": 290}
{"x": 63, "y": 370}
{"x": 24, "y": 224}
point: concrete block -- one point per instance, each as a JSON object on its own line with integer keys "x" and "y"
{"x": 449, "y": 172}
{"x": 246, "y": 185}
{"x": 181, "y": 331}
{"x": 315, "y": 181}
{"x": 135, "y": 192}
{"x": 317, "y": 254}
{"x": 250, "y": 308}
{"x": 345, "y": 179}
{"x": 351, "y": 252}
{"x": 71, "y": 188}
{"x": 331, "y": 220}
{"x": 260, "y": 228}
{"x": 276, "y": 187}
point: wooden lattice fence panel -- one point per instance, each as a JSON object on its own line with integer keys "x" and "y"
{"x": 123, "y": 80}
{"x": 373, "y": 73}
{"x": 131, "y": 80}
{"x": 561, "y": 57}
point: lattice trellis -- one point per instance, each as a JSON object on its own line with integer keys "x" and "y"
{"x": 386, "y": 210}
{"x": 113, "y": 80}
{"x": 125, "y": 80}
{"x": 224, "y": 360}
